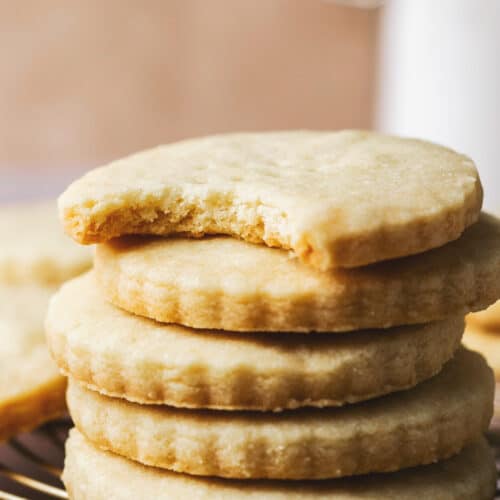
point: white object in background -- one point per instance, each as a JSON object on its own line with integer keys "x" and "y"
{"x": 440, "y": 78}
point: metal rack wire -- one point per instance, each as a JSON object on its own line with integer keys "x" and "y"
{"x": 31, "y": 464}
{"x": 29, "y": 473}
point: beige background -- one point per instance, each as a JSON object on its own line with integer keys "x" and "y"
{"x": 83, "y": 82}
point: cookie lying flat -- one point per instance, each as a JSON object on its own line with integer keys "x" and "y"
{"x": 487, "y": 343}
{"x": 96, "y": 474}
{"x": 31, "y": 389}
{"x": 432, "y": 421}
{"x": 488, "y": 320}
{"x": 34, "y": 248}
{"x": 340, "y": 199}
{"x": 128, "y": 356}
{"x": 228, "y": 284}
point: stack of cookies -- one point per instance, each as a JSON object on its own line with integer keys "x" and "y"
{"x": 329, "y": 366}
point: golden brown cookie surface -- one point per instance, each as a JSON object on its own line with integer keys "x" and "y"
{"x": 34, "y": 248}
{"x": 427, "y": 423}
{"x": 337, "y": 199}
{"x": 91, "y": 473}
{"x": 31, "y": 389}
{"x": 228, "y": 284}
{"x": 129, "y": 356}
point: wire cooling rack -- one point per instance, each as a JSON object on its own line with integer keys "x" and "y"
{"x": 31, "y": 464}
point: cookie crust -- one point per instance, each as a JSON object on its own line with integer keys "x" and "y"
{"x": 34, "y": 247}
{"x": 470, "y": 475}
{"x": 92, "y": 341}
{"x": 337, "y": 199}
{"x": 31, "y": 389}
{"x": 430, "y": 422}
{"x": 227, "y": 284}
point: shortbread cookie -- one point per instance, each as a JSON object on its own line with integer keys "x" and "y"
{"x": 99, "y": 475}
{"x": 91, "y": 473}
{"x": 430, "y": 422}
{"x": 488, "y": 320}
{"x": 487, "y": 343}
{"x": 340, "y": 199}
{"x": 34, "y": 248}
{"x": 229, "y": 284}
{"x": 123, "y": 355}
{"x": 31, "y": 389}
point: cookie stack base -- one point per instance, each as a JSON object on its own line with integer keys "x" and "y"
{"x": 91, "y": 473}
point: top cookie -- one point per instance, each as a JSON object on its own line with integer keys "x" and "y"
{"x": 337, "y": 199}
{"x": 34, "y": 249}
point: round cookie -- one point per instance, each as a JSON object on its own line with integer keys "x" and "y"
{"x": 96, "y": 474}
{"x": 228, "y": 284}
{"x": 35, "y": 249}
{"x": 430, "y": 422}
{"x": 485, "y": 342}
{"x": 31, "y": 389}
{"x": 337, "y": 199}
{"x": 128, "y": 356}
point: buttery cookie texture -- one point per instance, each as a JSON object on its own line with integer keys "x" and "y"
{"x": 35, "y": 257}
{"x": 204, "y": 363}
{"x": 35, "y": 249}
{"x": 229, "y": 284}
{"x": 92, "y": 341}
{"x": 31, "y": 388}
{"x": 447, "y": 412}
{"x": 337, "y": 199}
{"x": 92, "y": 473}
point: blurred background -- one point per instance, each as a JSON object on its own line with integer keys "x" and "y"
{"x": 84, "y": 81}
